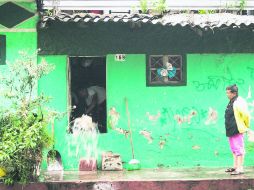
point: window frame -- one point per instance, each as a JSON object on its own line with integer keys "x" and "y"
{"x": 183, "y": 82}
{"x": 2, "y": 49}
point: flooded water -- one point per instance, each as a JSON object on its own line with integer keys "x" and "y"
{"x": 84, "y": 140}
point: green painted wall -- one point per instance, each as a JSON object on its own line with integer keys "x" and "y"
{"x": 187, "y": 145}
{"x": 19, "y": 41}
{"x": 54, "y": 85}
{"x": 22, "y": 37}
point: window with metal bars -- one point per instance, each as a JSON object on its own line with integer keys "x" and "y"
{"x": 166, "y": 70}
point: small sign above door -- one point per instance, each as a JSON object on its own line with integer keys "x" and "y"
{"x": 120, "y": 57}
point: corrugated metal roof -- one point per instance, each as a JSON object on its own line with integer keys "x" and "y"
{"x": 208, "y": 20}
{"x": 194, "y": 20}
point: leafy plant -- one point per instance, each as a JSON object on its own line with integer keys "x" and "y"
{"x": 159, "y": 6}
{"x": 48, "y": 12}
{"x": 211, "y": 11}
{"x": 242, "y": 4}
{"x": 155, "y": 6}
{"x": 202, "y": 12}
{"x": 206, "y": 11}
{"x": 237, "y": 6}
{"x": 23, "y": 119}
{"x": 144, "y": 6}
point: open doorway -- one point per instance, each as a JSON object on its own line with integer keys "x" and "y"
{"x": 88, "y": 89}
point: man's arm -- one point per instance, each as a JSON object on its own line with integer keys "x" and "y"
{"x": 93, "y": 104}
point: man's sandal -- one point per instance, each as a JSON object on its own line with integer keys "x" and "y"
{"x": 230, "y": 170}
{"x": 237, "y": 172}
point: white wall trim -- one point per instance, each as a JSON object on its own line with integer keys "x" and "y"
{"x": 124, "y": 5}
{"x": 16, "y": 1}
{"x": 17, "y": 30}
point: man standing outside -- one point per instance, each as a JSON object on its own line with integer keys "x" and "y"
{"x": 237, "y": 122}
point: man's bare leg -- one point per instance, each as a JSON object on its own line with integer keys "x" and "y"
{"x": 235, "y": 161}
{"x": 240, "y": 160}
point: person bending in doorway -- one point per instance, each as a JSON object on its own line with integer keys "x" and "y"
{"x": 92, "y": 101}
{"x": 237, "y": 122}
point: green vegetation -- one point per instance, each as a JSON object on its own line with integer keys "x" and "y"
{"x": 23, "y": 120}
{"x": 157, "y": 7}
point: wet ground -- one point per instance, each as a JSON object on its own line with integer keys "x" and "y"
{"x": 145, "y": 179}
{"x": 145, "y": 175}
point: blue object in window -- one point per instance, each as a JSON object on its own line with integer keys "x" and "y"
{"x": 172, "y": 73}
{"x": 159, "y": 72}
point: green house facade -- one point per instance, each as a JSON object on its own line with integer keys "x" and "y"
{"x": 176, "y": 110}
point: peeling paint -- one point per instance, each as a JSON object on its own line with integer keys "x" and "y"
{"x": 162, "y": 142}
{"x": 153, "y": 117}
{"x": 212, "y": 117}
{"x": 114, "y": 117}
{"x": 185, "y": 119}
{"x": 196, "y": 147}
{"x": 122, "y": 131}
{"x": 147, "y": 135}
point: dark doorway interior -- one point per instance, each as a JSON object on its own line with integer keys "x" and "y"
{"x": 88, "y": 89}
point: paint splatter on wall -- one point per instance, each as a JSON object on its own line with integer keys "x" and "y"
{"x": 153, "y": 117}
{"x": 185, "y": 119}
{"x": 162, "y": 142}
{"x": 122, "y": 131}
{"x": 114, "y": 117}
{"x": 196, "y": 147}
{"x": 212, "y": 117}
